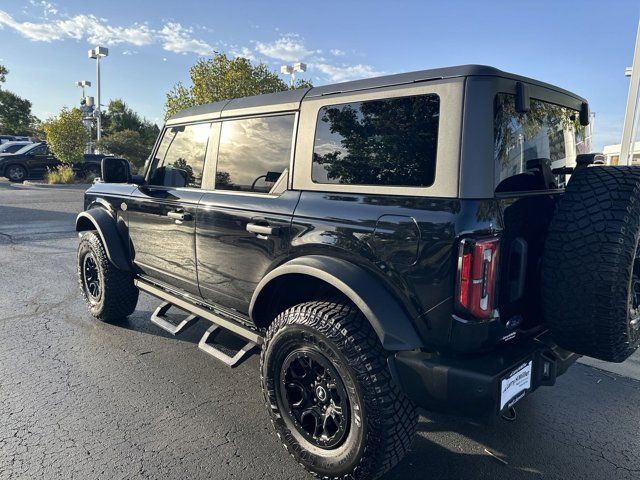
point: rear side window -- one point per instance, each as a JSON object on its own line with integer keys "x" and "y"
{"x": 390, "y": 142}
{"x": 254, "y": 154}
{"x": 180, "y": 156}
{"x": 547, "y": 132}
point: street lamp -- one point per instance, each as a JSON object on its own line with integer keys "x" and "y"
{"x": 82, "y": 84}
{"x": 96, "y": 53}
{"x": 291, "y": 69}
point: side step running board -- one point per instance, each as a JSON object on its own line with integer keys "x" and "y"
{"x": 160, "y": 319}
{"x": 226, "y": 355}
{"x": 230, "y": 360}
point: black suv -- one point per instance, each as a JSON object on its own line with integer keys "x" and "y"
{"x": 33, "y": 160}
{"x": 436, "y": 239}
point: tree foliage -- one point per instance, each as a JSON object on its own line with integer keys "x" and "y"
{"x": 15, "y": 112}
{"x": 66, "y": 135}
{"x": 127, "y": 144}
{"x": 127, "y": 134}
{"x": 222, "y": 78}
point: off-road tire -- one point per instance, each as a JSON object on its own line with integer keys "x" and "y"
{"x": 589, "y": 261}
{"x": 14, "y": 178}
{"x": 119, "y": 296}
{"x": 384, "y": 421}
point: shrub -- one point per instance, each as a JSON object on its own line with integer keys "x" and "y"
{"x": 66, "y": 135}
{"x": 60, "y": 174}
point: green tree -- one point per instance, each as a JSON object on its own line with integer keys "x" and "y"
{"x": 126, "y": 134}
{"x": 127, "y": 144}
{"x": 120, "y": 117}
{"x": 15, "y": 114}
{"x": 221, "y": 78}
{"x": 66, "y": 135}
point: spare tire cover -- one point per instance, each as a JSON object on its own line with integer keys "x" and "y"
{"x": 590, "y": 266}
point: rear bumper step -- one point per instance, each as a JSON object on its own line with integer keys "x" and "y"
{"x": 472, "y": 385}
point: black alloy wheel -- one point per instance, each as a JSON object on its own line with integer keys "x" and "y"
{"x": 314, "y": 398}
{"x": 91, "y": 277}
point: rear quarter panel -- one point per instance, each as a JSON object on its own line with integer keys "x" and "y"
{"x": 344, "y": 225}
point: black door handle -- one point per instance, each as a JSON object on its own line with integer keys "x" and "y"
{"x": 182, "y": 216}
{"x": 262, "y": 229}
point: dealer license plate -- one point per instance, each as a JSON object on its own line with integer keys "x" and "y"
{"x": 516, "y": 385}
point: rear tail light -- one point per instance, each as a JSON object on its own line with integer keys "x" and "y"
{"x": 477, "y": 272}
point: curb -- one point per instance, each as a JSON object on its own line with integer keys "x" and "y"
{"x": 73, "y": 186}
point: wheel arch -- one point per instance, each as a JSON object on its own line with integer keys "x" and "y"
{"x": 307, "y": 278}
{"x": 106, "y": 226}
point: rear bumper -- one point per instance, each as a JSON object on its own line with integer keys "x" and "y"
{"x": 472, "y": 385}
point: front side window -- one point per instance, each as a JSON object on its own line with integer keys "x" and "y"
{"x": 180, "y": 157}
{"x": 254, "y": 154}
{"x": 390, "y": 142}
{"x": 547, "y": 131}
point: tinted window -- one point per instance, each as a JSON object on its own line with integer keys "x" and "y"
{"x": 180, "y": 156}
{"x": 39, "y": 150}
{"x": 547, "y": 131}
{"x": 379, "y": 142}
{"x": 254, "y": 153}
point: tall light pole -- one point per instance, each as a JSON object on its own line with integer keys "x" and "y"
{"x": 631, "y": 114}
{"x": 96, "y": 53}
{"x": 292, "y": 69}
{"x": 82, "y": 84}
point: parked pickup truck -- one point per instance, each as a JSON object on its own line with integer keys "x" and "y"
{"x": 435, "y": 239}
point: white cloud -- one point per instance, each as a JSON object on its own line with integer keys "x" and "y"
{"x": 172, "y": 36}
{"x": 342, "y": 73}
{"x": 289, "y": 48}
{"x": 337, "y": 52}
{"x": 177, "y": 39}
{"x": 129, "y": 52}
{"x": 243, "y": 52}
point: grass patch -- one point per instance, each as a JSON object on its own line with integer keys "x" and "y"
{"x": 62, "y": 174}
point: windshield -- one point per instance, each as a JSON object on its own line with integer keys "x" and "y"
{"x": 547, "y": 131}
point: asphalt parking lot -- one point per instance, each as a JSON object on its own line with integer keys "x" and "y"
{"x": 80, "y": 399}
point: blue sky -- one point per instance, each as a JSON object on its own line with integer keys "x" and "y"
{"x": 582, "y": 46}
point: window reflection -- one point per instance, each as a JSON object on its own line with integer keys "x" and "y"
{"x": 254, "y": 153}
{"x": 547, "y": 131}
{"x": 379, "y": 142}
{"x": 180, "y": 156}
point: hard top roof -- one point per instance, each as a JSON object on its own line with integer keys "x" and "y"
{"x": 290, "y": 99}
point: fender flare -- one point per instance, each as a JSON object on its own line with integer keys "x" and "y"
{"x": 390, "y": 321}
{"x": 107, "y": 228}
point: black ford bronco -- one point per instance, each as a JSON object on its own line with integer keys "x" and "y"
{"x": 438, "y": 239}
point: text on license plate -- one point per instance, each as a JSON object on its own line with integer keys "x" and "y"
{"x": 516, "y": 384}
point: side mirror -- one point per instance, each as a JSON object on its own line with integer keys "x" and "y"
{"x": 116, "y": 170}
{"x": 523, "y": 98}
{"x": 584, "y": 114}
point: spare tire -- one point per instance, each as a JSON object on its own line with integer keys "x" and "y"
{"x": 591, "y": 264}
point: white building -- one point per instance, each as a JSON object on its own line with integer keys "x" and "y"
{"x": 612, "y": 154}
